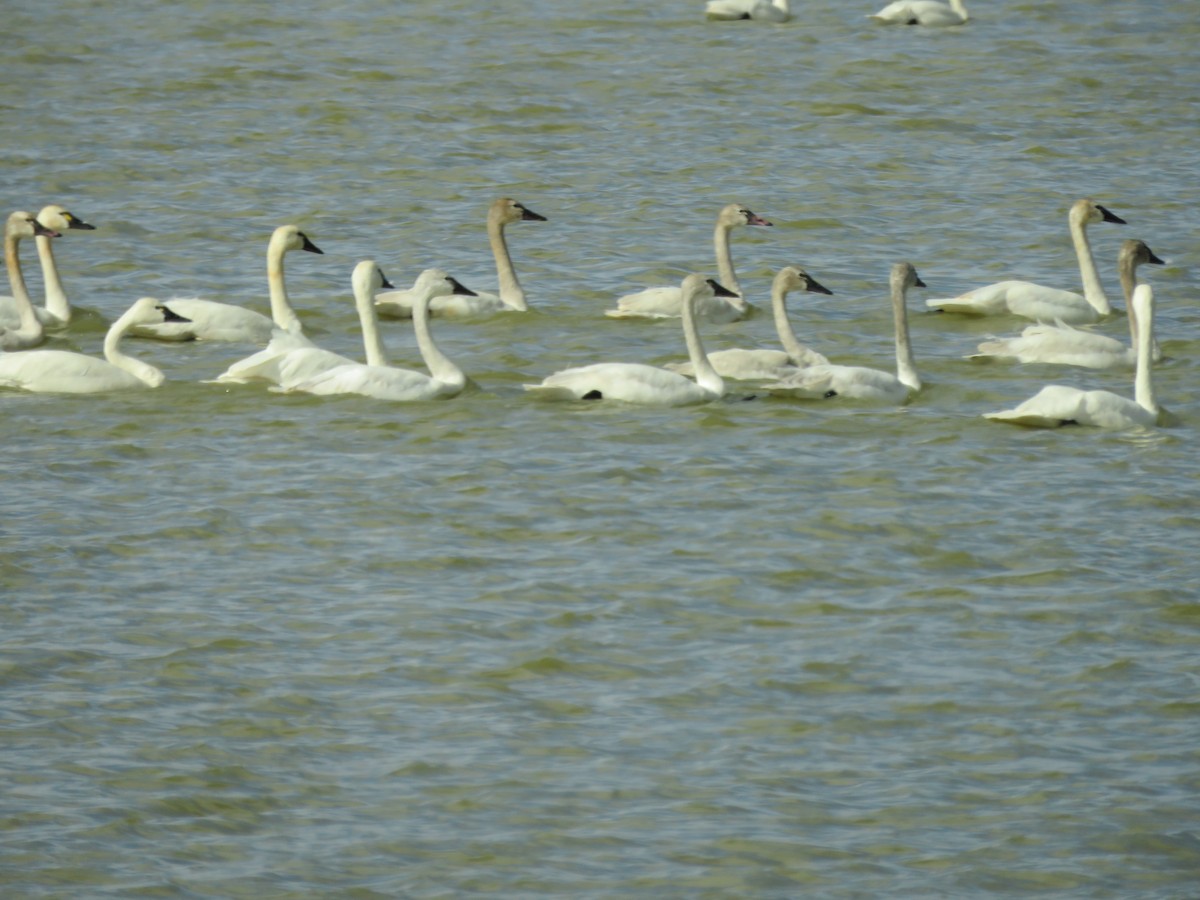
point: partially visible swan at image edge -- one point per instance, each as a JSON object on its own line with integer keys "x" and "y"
{"x": 638, "y": 383}
{"x": 57, "y": 311}
{"x": 29, "y": 331}
{"x": 1062, "y": 344}
{"x": 511, "y": 297}
{"x": 761, "y": 364}
{"x": 1040, "y": 303}
{"x": 210, "y": 320}
{"x": 378, "y": 379}
{"x": 922, "y": 12}
{"x": 859, "y": 382}
{"x": 1057, "y": 404}
{"x": 65, "y": 372}
{"x": 667, "y": 302}
{"x": 758, "y": 10}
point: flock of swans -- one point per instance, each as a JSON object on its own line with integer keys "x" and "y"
{"x": 933, "y": 13}
{"x": 291, "y": 362}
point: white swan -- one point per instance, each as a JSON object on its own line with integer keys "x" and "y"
{"x": 57, "y": 311}
{"x": 210, "y": 320}
{"x": 858, "y": 382}
{"x": 637, "y": 383}
{"x": 667, "y": 302}
{"x": 1062, "y": 344}
{"x": 1045, "y": 304}
{"x": 759, "y": 10}
{"x": 1059, "y": 405}
{"x": 922, "y": 12}
{"x": 762, "y": 364}
{"x": 511, "y": 297}
{"x": 28, "y": 331}
{"x": 64, "y": 372}
{"x": 379, "y": 379}
{"x": 291, "y": 357}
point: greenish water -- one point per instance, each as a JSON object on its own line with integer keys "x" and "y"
{"x": 269, "y": 646}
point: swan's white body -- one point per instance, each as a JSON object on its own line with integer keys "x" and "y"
{"x": 1040, "y": 303}
{"x": 762, "y": 364}
{"x": 1062, "y": 344}
{"x": 210, "y": 320}
{"x": 637, "y": 383}
{"x": 378, "y": 379}
{"x": 923, "y": 12}
{"x": 859, "y": 382}
{"x": 511, "y": 297}
{"x": 28, "y": 330}
{"x": 667, "y": 302}
{"x": 64, "y": 372}
{"x": 1057, "y": 405}
{"x": 758, "y": 10}
{"x": 57, "y": 311}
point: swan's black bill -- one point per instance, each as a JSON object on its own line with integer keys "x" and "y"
{"x": 815, "y": 287}
{"x": 73, "y": 221}
{"x": 309, "y": 245}
{"x": 720, "y": 290}
{"x": 1110, "y": 216}
{"x": 460, "y": 289}
{"x": 1154, "y": 258}
{"x": 170, "y": 315}
{"x": 920, "y": 283}
{"x": 384, "y": 283}
{"x": 528, "y": 215}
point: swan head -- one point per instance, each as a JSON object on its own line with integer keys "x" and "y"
{"x": 904, "y": 276}
{"x": 794, "y": 278}
{"x": 22, "y": 224}
{"x": 149, "y": 311}
{"x": 1089, "y": 212}
{"x": 736, "y": 214}
{"x": 56, "y": 218}
{"x": 368, "y": 278}
{"x": 289, "y": 237}
{"x": 506, "y": 210}
{"x": 436, "y": 283}
{"x": 1134, "y": 253}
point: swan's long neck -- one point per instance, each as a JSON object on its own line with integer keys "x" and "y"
{"x": 1092, "y": 291}
{"x": 906, "y": 367}
{"x": 56, "y": 298}
{"x": 782, "y": 6}
{"x": 958, "y": 7}
{"x": 281, "y": 308}
{"x": 1143, "y": 380}
{"x": 440, "y": 367}
{"x": 511, "y": 292}
{"x": 726, "y": 275}
{"x": 783, "y": 325}
{"x": 135, "y": 367}
{"x": 706, "y": 376}
{"x": 16, "y": 281}
{"x": 368, "y": 320}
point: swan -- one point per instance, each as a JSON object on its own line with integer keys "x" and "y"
{"x": 1045, "y": 304}
{"x": 1061, "y": 344}
{"x": 57, "y": 311}
{"x": 1056, "y": 404}
{"x": 922, "y": 12}
{"x": 759, "y": 10}
{"x": 461, "y": 302}
{"x": 65, "y": 372}
{"x": 210, "y": 320}
{"x": 637, "y": 383}
{"x": 29, "y": 331}
{"x": 858, "y": 382}
{"x": 766, "y": 365}
{"x": 378, "y": 379}
{"x": 667, "y": 302}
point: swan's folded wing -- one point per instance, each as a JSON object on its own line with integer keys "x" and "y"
{"x": 812, "y": 383}
{"x": 1050, "y": 407}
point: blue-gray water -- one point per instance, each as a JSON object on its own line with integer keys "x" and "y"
{"x": 264, "y": 646}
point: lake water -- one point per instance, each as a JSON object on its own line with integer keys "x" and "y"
{"x": 264, "y": 646}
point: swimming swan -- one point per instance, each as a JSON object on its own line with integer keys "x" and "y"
{"x": 858, "y": 382}
{"x": 292, "y": 357}
{"x": 1046, "y": 304}
{"x": 1062, "y": 344}
{"x": 379, "y": 379}
{"x": 1059, "y": 405}
{"x": 922, "y": 12}
{"x": 57, "y": 311}
{"x": 503, "y": 211}
{"x": 211, "y": 320}
{"x": 637, "y": 383}
{"x": 759, "y": 10}
{"x": 64, "y": 372}
{"x": 667, "y": 302}
{"x": 28, "y": 331}
{"x": 769, "y": 365}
